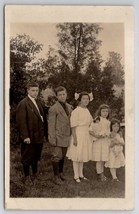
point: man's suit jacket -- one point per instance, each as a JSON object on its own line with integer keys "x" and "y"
{"x": 29, "y": 122}
{"x": 59, "y": 130}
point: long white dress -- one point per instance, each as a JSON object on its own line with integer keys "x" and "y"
{"x": 100, "y": 150}
{"x": 116, "y": 156}
{"x": 81, "y": 119}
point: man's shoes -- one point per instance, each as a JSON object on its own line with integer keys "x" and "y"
{"x": 34, "y": 178}
{"x": 27, "y": 181}
{"x": 62, "y": 177}
{"x": 57, "y": 180}
{"x": 40, "y": 167}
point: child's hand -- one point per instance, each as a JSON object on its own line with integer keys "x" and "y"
{"x": 120, "y": 133}
{"x": 104, "y": 135}
{"x": 111, "y": 135}
{"x": 100, "y": 136}
{"x": 91, "y": 132}
{"x": 117, "y": 142}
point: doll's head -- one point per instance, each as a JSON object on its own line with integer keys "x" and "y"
{"x": 97, "y": 119}
{"x": 115, "y": 125}
{"x": 103, "y": 111}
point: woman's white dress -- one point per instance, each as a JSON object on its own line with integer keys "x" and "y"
{"x": 116, "y": 156}
{"x": 81, "y": 119}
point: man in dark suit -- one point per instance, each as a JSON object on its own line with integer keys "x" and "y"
{"x": 30, "y": 121}
{"x": 59, "y": 132}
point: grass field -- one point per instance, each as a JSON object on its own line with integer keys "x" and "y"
{"x": 45, "y": 188}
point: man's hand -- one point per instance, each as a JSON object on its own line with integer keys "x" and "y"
{"x": 27, "y": 140}
{"x": 53, "y": 143}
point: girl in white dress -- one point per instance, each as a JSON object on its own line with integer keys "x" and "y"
{"x": 80, "y": 148}
{"x": 116, "y": 156}
{"x": 100, "y": 132}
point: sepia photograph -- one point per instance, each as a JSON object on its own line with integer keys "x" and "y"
{"x": 68, "y": 127}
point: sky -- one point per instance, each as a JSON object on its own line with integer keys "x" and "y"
{"x": 112, "y": 36}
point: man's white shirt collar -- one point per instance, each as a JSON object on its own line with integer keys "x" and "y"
{"x": 31, "y": 98}
{"x": 34, "y": 101}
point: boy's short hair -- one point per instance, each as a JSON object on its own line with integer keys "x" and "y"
{"x": 60, "y": 88}
{"x": 32, "y": 84}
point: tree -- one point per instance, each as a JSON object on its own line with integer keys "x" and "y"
{"x": 106, "y": 88}
{"x": 114, "y": 62}
{"x": 23, "y": 50}
{"x": 48, "y": 71}
{"x": 113, "y": 81}
{"x": 78, "y": 44}
{"x": 78, "y": 47}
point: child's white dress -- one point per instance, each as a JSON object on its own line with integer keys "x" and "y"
{"x": 100, "y": 147}
{"x": 81, "y": 119}
{"x": 116, "y": 156}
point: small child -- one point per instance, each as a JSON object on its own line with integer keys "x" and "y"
{"x": 116, "y": 156}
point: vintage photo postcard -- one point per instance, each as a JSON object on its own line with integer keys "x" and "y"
{"x": 69, "y": 107}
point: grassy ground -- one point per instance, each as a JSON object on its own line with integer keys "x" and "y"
{"x": 46, "y": 188}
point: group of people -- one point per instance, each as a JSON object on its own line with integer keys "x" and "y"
{"x": 71, "y": 132}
